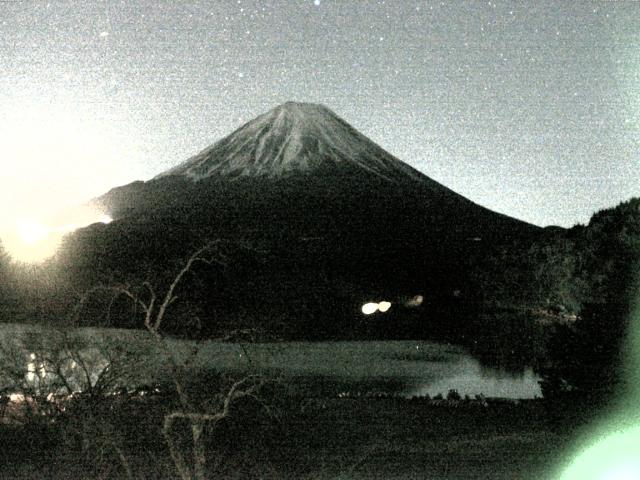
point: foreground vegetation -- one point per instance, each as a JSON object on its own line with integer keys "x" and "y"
{"x": 293, "y": 437}
{"x": 64, "y": 421}
{"x": 83, "y": 411}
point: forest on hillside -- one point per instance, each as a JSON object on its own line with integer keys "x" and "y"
{"x": 562, "y": 270}
{"x": 513, "y": 297}
{"x": 561, "y": 300}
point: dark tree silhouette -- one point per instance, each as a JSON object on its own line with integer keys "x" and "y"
{"x": 585, "y": 360}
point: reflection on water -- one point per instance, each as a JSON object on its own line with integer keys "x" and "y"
{"x": 418, "y": 368}
{"x": 469, "y": 377}
{"x": 406, "y": 368}
{"x": 52, "y": 372}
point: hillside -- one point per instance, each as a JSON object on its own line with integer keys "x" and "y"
{"x": 319, "y": 220}
{"x": 331, "y": 220}
{"x": 567, "y": 268}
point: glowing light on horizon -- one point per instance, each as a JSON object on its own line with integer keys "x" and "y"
{"x": 369, "y": 308}
{"x": 32, "y": 241}
{"x": 415, "y": 301}
{"x": 58, "y": 153}
{"x": 384, "y": 306}
{"x": 31, "y": 232}
{"x": 373, "y": 307}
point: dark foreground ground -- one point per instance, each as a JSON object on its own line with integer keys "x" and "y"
{"x": 307, "y": 439}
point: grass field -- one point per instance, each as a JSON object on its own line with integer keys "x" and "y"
{"x": 333, "y": 439}
{"x": 309, "y": 433}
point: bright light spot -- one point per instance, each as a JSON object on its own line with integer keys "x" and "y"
{"x": 369, "y": 308}
{"x": 31, "y": 232}
{"x": 373, "y": 307}
{"x": 59, "y": 149}
{"x": 31, "y": 372}
{"x": 613, "y": 458}
{"x": 30, "y": 241}
{"x": 384, "y": 306}
{"x": 33, "y": 241}
{"x": 415, "y": 301}
{"x": 316, "y": 3}
{"x": 104, "y": 34}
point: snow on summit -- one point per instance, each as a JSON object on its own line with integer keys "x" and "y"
{"x": 293, "y": 138}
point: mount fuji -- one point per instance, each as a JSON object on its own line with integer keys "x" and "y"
{"x": 303, "y": 145}
{"x": 334, "y": 215}
{"x": 293, "y": 138}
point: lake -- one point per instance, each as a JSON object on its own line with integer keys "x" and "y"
{"x": 404, "y": 368}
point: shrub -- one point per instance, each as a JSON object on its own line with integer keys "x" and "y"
{"x": 453, "y": 395}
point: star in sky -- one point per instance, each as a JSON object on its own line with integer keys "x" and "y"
{"x": 528, "y": 109}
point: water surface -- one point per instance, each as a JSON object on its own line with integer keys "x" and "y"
{"x": 405, "y": 368}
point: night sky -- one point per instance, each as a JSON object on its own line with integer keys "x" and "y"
{"x": 530, "y": 109}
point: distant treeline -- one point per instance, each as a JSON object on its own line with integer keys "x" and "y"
{"x": 503, "y": 300}
{"x": 565, "y": 268}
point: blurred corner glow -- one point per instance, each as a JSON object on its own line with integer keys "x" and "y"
{"x": 612, "y": 449}
{"x": 616, "y": 457}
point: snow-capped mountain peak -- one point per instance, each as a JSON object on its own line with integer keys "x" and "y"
{"x": 293, "y": 138}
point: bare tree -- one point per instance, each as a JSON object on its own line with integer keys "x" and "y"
{"x": 70, "y": 378}
{"x": 154, "y": 306}
{"x": 85, "y": 379}
{"x": 44, "y": 363}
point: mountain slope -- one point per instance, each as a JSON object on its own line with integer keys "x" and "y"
{"x": 304, "y": 150}
{"x": 328, "y": 209}
{"x": 293, "y": 138}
